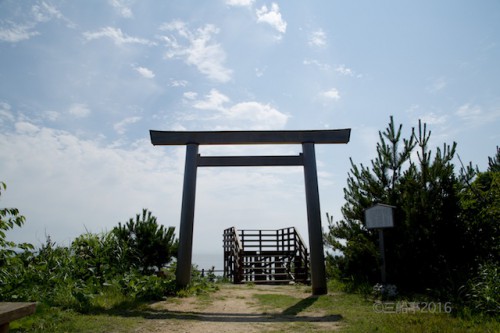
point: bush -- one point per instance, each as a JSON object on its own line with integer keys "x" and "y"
{"x": 147, "y": 287}
{"x": 98, "y": 271}
{"x": 86, "y": 276}
{"x": 483, "y": 292}
{"x": 384, "y": 291}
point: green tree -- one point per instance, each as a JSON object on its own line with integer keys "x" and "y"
{"x": 428, "y": 243}
{"x": 11, "y": 264}
{"x": 423, "y": 249}
{"x": 494, "y": 162}
{"x": 9, "y": 218}
{"x": 480, "y": 203}
{"x": 366, "y": 187}
{"x": 149, "y": 245}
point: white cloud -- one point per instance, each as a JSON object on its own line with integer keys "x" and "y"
{"x": 437, "y": 85}
{"x": 79, "y": 110}
{"x": 433, "y": 119}
{"x": 241, "y": 3}
{"x": 244, "y": 115}
{"x": 121, "y": 126}
{"x": 331, "y": 94}
{"x": 190, "y": 95}
{"x": 259, "y": 72}
{"x": 272, "y": 16}
{"x": 5, "y": 112}
{"x": 116, "y": 35}
{"x": 51, "y": 115}
{"x": 318, "y": 38}
{"x": 415, "y": 113}
{"x": 313, "y": 62}
{"x": 178, "y": 83}
{"x": 214, "y": 101}
{"x": 17, "y": 32}
{"x": 256, "y": 116}
{"x": 44, "y": 12}
{"x": 145, "y": 72}
{"x": 40, "y": 13}
{"x": 342, "y": 69}
{"x": 24, "y": 127}
{"x": 69, "y": 176}
{"x": 474, "y": 115}
{"x": 199, "y": 51}
{"x": 122, "y": 8}
{"x": 469, "y": 112}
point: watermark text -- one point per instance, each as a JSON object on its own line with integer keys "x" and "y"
{"x": 412, "y": 307}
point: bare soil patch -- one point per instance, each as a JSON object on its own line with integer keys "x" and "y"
{"x": 235, "y": 308}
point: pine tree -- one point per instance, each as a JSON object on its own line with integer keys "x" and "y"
{"x": 494, "y": 162}
{"x": 365, "y": 188}
{"x": 428, "y": 234}
{"x": 148, "y": 244}
{"x": 424, "y": 248}
{"x": 480, "y": 203}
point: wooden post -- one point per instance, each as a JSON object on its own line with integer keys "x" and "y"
{"x": 382, "y": 255}
{"x": 318, "y": 274}
{"x": 183, "y": 273}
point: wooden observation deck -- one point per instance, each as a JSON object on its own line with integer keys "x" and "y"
{"x": 265, "y": 256}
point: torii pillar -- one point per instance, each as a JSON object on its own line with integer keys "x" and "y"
{"x": 307, "y": 159}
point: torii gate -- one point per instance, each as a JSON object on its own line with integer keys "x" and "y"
{"x": 307, "y": 159}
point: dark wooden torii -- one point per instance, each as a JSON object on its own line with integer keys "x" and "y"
{"x": 307, "y": 159}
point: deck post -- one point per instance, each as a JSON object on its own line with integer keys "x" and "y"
{"x": 183, "y": 273}
{"x": 318, "y": 273}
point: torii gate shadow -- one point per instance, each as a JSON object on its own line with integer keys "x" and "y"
{"x": 287, "y": 315}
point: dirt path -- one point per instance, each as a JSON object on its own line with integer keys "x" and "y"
{"x": 235, "y": 308}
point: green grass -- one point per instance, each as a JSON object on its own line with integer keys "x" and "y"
{"x": 294, "y": 312}
{"x": 48, "y": 319}
{"x": 354, "y": 313}
{"x": 272, "y": 302}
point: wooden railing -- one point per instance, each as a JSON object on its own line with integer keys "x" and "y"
{"x": 265, "y": 256}
{"x": 233, "y": 255}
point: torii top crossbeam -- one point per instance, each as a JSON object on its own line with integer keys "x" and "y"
{"x": 159, "y": 138}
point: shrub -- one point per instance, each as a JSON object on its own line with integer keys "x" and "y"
{"x": 97, "y": 271}
{"x": 147, "y": 287}
{"x": 384, "y": 291}
{"x": 483, "y": 292}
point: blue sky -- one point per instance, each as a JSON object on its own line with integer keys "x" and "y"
{"x": 83, "y": 82}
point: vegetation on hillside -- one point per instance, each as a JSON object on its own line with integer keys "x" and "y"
{"x": 446, "y": 238}
{"x": 96, "y": 271}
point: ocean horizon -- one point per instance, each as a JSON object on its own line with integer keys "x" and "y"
{"x": 208, "y": 260}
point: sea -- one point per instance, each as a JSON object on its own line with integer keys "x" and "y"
{"x": 208, "y": 261}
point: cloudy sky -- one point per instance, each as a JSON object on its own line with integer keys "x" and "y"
{"x": 83, "y": 82}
